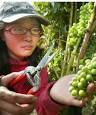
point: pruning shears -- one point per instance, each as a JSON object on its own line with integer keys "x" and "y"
{"x": 33, "y": 73}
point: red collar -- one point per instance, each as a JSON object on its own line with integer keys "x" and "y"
{"x": 18, "y": 65}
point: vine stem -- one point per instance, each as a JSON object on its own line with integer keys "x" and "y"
{"x": 87, "y": 35}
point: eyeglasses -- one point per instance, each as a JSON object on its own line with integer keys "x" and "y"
{"x": 23, "y": 31}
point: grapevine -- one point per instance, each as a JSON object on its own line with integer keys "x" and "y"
{"x": 78, "y": 29}
{"x": 74, "y": 39}
{"x": 85, "y": 75}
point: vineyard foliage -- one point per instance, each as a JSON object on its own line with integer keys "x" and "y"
{"x": 69, "y": 25}
{"x": 68, "y": 35}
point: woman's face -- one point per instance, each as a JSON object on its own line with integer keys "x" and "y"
{"x": 22, "y": 37}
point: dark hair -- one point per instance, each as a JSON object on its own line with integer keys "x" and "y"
{"x": 4, "y": 58}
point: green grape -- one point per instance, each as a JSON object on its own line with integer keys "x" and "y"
{"x": 87, "y": 61}
{"x": 93, "y": 71}
{"x": 83, "y": 74}
{"x": 84, "y": 69}
{"x": 93, "y": 59}
{"x": 83, "y": 80}
{"x": 74, "y": 83}
{"x": 90, "y": 67}
{"x": 80, "y": 66}
{"x": 74, "y": 92}
{"x": 94, "y": 64}
{"x": 80, "y": 85}
{"x": 82, "y": 93}
{"x": 89, "y": 78}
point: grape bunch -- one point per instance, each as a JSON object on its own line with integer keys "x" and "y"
{"x": 78, "y": 29}
{"x": 85, "y": 75}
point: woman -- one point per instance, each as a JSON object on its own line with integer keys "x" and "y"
{"x": 20, "y": 34}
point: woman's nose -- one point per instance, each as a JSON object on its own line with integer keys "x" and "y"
{"x": 28, "y": 36}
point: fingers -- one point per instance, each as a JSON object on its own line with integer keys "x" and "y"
{"x": 26, "y": 108}
{"x": 91, "y": 88}
{"x": 77, "y": 103}
{"x": 90, "y": 91}
{"x": 15, "y": 103}
{"x": 6, "y": 79}
{"x": 9, "y": 107}
{"x": 16, "y": 108}
{"x": 13, "y": 97}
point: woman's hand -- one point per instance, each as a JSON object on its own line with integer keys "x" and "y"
{"x": 60, "y": 92}
{"x": 15, "y": 103}
{"x": 6, "y": 79}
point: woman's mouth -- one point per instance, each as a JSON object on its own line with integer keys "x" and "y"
{"x": 27, "y": 47}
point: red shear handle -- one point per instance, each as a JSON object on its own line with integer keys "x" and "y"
{"x": 20, "y": 84}
{"x": 16, "y": 80}
{"x": 30, "y": 92}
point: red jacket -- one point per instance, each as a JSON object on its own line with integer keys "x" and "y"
{"x": 44, "y": 105}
